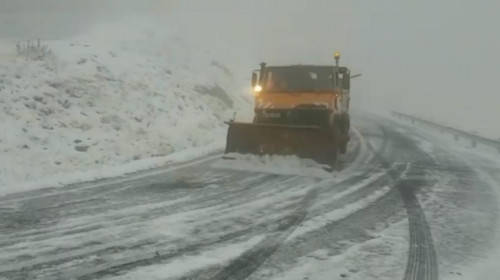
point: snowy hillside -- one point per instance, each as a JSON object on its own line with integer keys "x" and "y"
{"x": 96, "y": 102}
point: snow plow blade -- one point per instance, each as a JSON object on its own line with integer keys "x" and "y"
{"x": 311, "y": 142}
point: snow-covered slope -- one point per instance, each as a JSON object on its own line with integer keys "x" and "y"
{"x": 106, "y": 98}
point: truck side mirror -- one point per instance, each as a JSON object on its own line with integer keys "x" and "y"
{"x": 254, "y": 79}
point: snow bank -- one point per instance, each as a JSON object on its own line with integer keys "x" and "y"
{"x": 107, "y": 99}
{"x": 96, "y": 173}
{"x": 278, "y": 164}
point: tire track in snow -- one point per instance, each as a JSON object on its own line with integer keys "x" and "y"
{"x": 252, "y": 188}
{"x": 422, "y": 261}
{"x": 150, "y": 258}
{"x": 248, "y": 263}
{"x": 256, "y": 189}
{"x": 208, "y": 199}
{"x": 242, "y": 267}
{"x": 203, "y": 201}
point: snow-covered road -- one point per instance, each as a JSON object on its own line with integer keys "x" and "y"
{"x": 405, "y": 205}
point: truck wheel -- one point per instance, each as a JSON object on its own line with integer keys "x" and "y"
{"x": 343, "y": 134}
{"x": 343, "y": 147}
{"x": 344, "y": 124}
{"x": 347, "y": 124}
{"x": 333, "y": 157}
{"x": 333, "y": 153}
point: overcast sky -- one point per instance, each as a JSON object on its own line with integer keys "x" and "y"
{"x": 439, "y": 58}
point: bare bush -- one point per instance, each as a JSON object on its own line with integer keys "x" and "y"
{"x": 33, "y": 50}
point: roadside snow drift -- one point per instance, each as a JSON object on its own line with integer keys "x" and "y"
{"x": 278, "y": 164}
{"x": 98, "y": 100}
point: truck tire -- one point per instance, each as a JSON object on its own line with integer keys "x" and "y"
{"x": 343, "y": 148}
{"x": 336, "y": 148}
{"x": 335, "y": 157}
{"x": 331, "y": 157}
{"x": 345, "y": 124}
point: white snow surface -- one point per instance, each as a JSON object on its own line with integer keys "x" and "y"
{"x": 483, "y": 267}
{"x": 322, "y": 220}
{"x": 485, "y": 161}
{"x": 106, "y": 99}
{"x": 186, "y": 264}
{"x": 379, "y": 258}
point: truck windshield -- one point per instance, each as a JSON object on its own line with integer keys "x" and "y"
{"x": 298, "y": 79}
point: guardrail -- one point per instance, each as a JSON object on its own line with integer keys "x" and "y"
{"x": 457, "y": 134}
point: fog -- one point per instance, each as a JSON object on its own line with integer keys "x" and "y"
{"x": 433, "y": 58}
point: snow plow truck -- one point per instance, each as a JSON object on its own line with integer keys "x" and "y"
{"x": 300, "y": 110}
